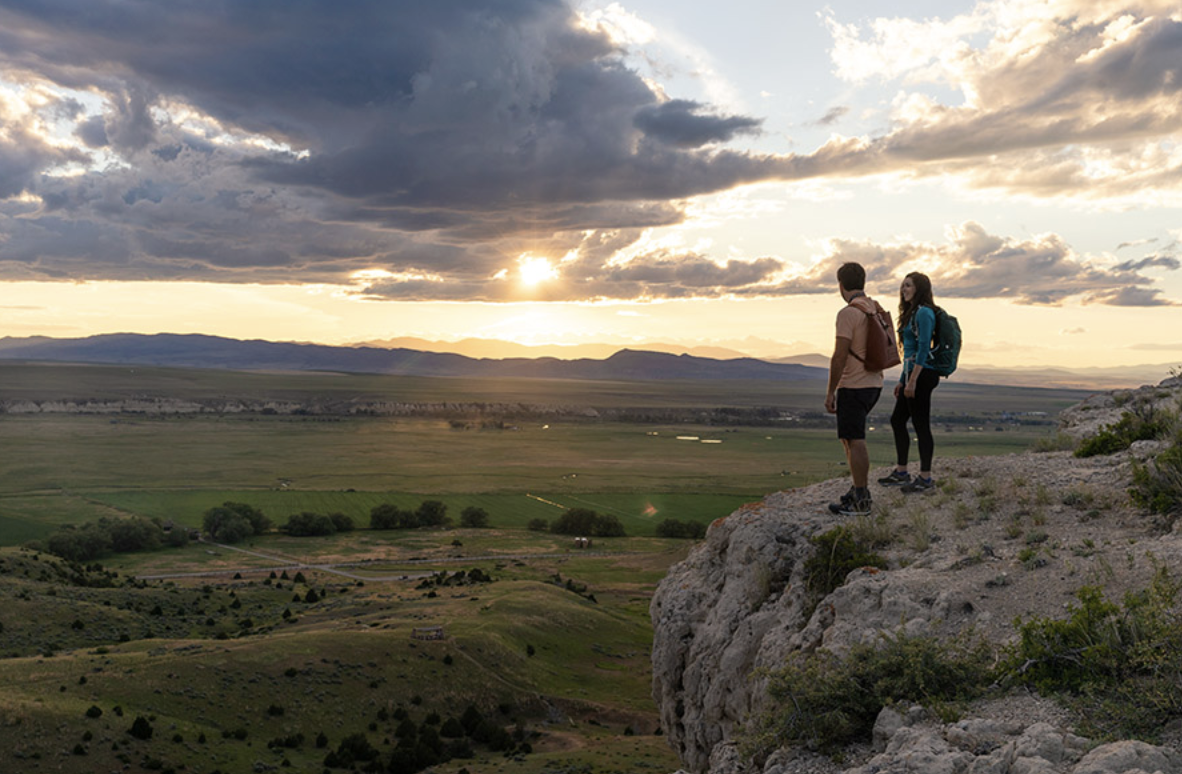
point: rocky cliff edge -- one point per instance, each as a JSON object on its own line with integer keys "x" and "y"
{"x": 1003, "y": 537}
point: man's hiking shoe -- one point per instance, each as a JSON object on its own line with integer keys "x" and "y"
{"x": 851, "y": 505}
{"x": 896, "y": 478}
{"x": 845, "y": 501}
{"x": 919, "y": 484}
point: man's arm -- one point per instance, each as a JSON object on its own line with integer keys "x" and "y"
{"x": 841, "y": 352}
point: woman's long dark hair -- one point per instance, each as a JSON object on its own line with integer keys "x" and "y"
{"x": 922, "y": 297}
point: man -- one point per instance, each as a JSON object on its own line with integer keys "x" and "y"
{"x": 853, "y": 390}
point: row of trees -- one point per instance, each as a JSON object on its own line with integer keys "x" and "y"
{"x": 233, "y": 522}
{"x": 96, "y": 539}
{"x": 318, "y": 524}
{"x": 430, "y": 513}
{"x": 584, "y": 521}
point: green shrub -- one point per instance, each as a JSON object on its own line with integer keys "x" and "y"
{"x": 837, "y": 554}
{"x": 1157, "y": 485}
{"x": 1118, "y": 666}
{"x": 822, "y": 701}
{"x": 1144, "y": 423}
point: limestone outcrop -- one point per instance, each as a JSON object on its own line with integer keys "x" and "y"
{"x": 1006, "y": 537}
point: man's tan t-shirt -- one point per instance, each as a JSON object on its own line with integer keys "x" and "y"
{"x": 853, "y": 324}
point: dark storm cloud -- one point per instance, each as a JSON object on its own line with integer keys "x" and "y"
{"x": 678, "y": 122}
{"x": 443, "y": 135}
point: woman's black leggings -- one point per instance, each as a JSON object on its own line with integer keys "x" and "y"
{"x": 919, "y": 411}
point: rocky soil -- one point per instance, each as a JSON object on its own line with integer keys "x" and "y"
{"x": 1001, "y": 538}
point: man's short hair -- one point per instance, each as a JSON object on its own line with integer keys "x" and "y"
{"x": 852, "y": 276}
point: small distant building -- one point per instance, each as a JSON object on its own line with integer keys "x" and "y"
{"x": 582, "y": 542}
{"x": 428, "y": 633}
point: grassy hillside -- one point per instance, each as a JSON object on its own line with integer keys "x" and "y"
{"x": 219, "y": 669}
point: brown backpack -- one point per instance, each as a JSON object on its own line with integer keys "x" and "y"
{"x": 882, "y": 350}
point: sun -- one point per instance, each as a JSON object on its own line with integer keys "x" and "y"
{"x": 535, "y": 270}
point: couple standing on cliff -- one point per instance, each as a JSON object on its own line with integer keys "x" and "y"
{"x": 854, "y": 388}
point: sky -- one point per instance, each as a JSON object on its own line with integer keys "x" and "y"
{"x": 564, "y": 172}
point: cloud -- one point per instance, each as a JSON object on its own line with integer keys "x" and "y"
{"x": 833, "y": 115}
{"x": 436, "y": 143}
{"x": 435, "y": 136}
{"x": 1156, "y": 347}
{"x": 973, "y": 263}
{"x": 1067, "y": 99}
{"x": 1160, "y": 261}
{"x": 678, "y": 122}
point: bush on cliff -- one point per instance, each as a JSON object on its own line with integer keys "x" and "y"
{"x": 822, "y": 701}
{"x": 1117, "y": 666}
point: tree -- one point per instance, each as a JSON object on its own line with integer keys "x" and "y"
{"x": 258, "y": 522}
{"x": 81, "y": 544}
{"x": 342, "y": 522}
{"x": 672, "y": 528}
{"x": 228, "y": 526}
{"x": 384, "y": 516}
{"x": 177, "y": 537}
{"x": 134, "y": 534}
{"x": 474, "y": 517}
{"x": 141, "y": 728}
{"x": 233, "y": 522}
{"x": 387, "y": 516}
{"x": 584, "y": 521}
{"x": 538, "y": 525}
{"x": 432, "y": 513}
{"x": 471, "y": 719}
{"x": 310, "y": 525}
{"x": 576, "y": 521}
{"x": 608, "y": 525}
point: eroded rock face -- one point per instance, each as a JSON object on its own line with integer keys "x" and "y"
{"x": 1006, "y": 537}
{"x": 737, "y": 606}
{"x": 731, "y": 607}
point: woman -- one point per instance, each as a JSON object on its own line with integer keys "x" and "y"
{"x": 913, "y": 393}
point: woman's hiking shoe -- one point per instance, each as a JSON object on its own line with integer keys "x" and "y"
{"x": 919, "y": 484}
{"x": 896, "y": 478}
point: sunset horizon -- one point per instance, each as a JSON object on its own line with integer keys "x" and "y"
{"x": 553, "y": 173}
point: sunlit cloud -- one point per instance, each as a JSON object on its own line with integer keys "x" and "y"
{"x": 973, "y": 263}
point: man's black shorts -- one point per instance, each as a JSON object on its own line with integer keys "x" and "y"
{"x": 853, "y": 406}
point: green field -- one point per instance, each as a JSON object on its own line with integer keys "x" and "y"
{"x": 66, "y": 469}
{"x": 61, "y": 468}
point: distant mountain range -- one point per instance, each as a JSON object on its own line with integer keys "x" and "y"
{"x": 499, "y": 350}
{"x": 427, "y": 358}
{"x": 197, "y": 351}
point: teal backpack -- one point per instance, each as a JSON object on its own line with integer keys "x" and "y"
{"x": 945, "y": 343}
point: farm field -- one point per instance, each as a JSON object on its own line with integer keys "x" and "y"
{"x": 60, "y": 469}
